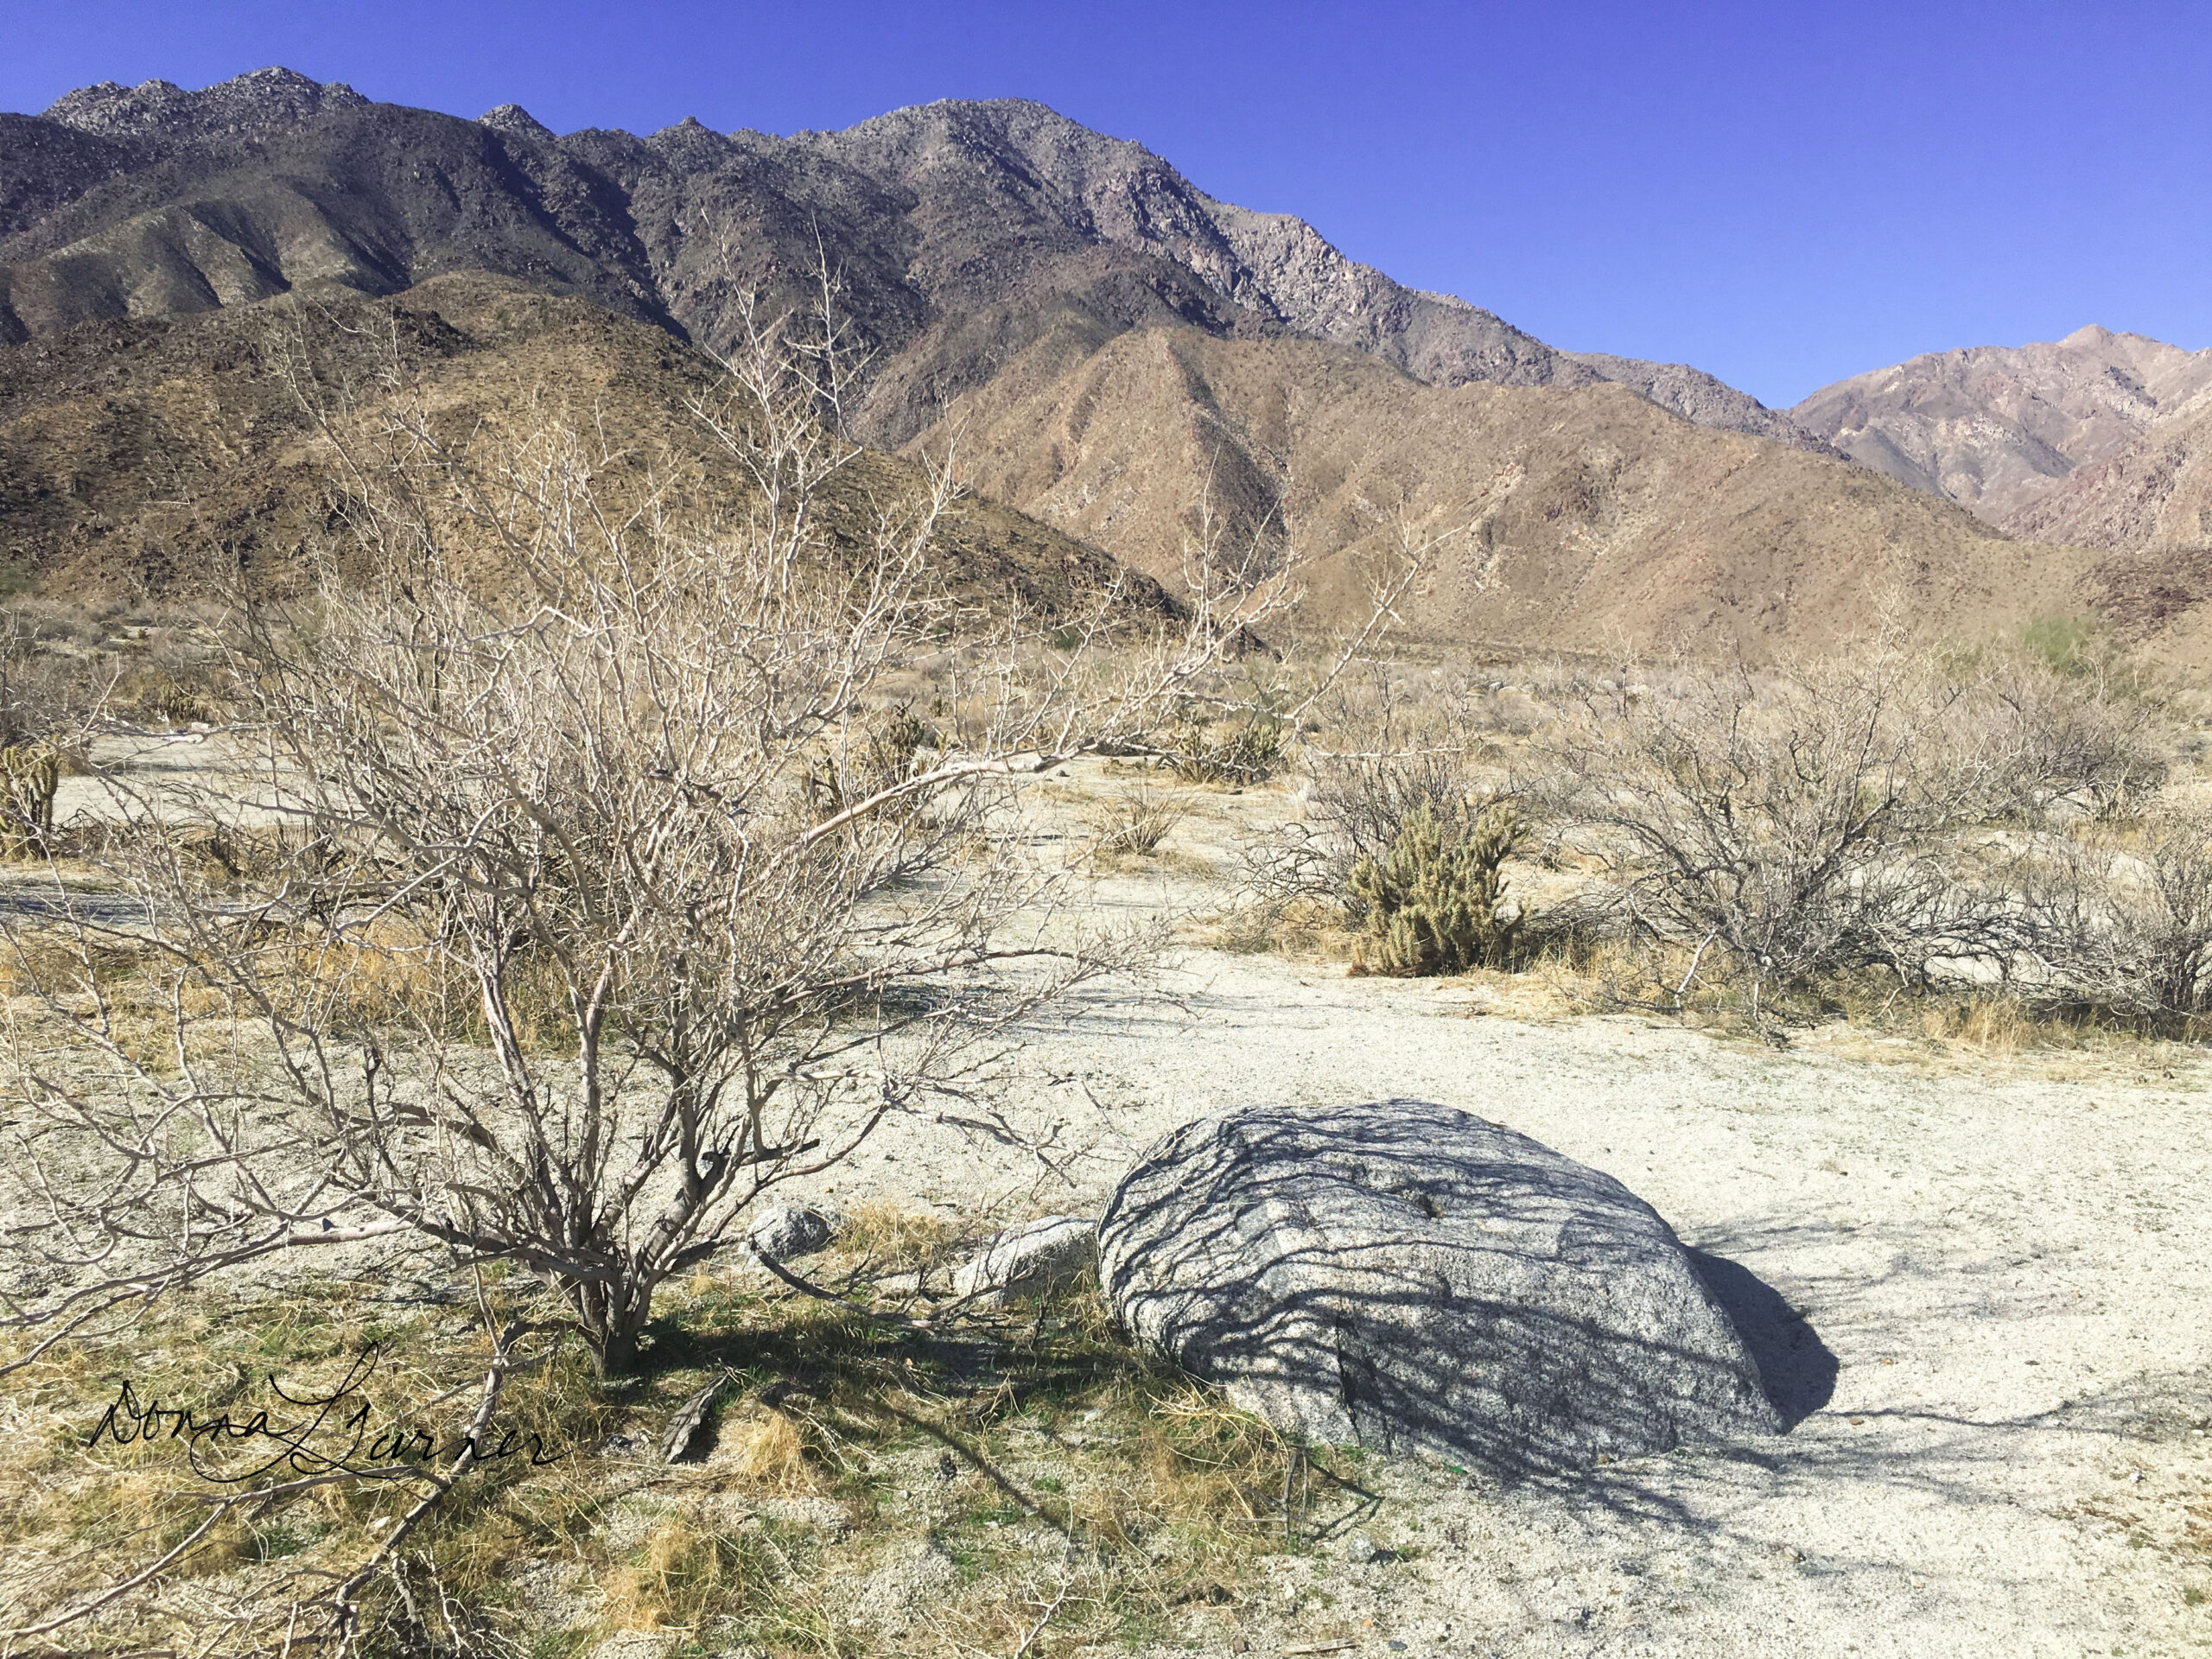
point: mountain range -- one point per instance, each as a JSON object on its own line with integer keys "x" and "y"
{"x": 1098, "y": 343}
{"x": 1996, "y": 429}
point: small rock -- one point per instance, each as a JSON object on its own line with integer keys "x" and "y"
{"x": 1030, "y": 1260}
{"x": 1361, "y": 1548}
{"x": 791, "y": 1231}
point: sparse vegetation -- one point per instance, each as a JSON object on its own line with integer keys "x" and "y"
{"x": 1433, "y": 903}
{"x": 1753, "y": 839}
{"x": 600, "y": 875}
{"x": 1136, "y": 822}
{"x": 843, "y": 1448}
{"x": 1241, "y": 748}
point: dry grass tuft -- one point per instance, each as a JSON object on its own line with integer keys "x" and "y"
{"x": 684, "y": 1576}
{"x": 1135, "y": 823}
{"x": 769, "y": 1451}
{"x": 895, "y": 1239}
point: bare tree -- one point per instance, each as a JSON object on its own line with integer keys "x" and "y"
{"x": 2127, "y": 931}
{"x": 604, "y": 867}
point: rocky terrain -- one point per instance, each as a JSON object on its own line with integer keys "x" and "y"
{"x": 959, "y": 228}
{"x": 1996, "y": 428}
{"x": 141, "y": 453}
{"x": 2153, "y": 493}
{"x": 1553, "y": 517}
{"x": 983, "y": 250}
{"x": 1098, "y": 342}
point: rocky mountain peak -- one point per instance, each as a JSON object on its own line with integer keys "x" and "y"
{"x": 1994, "y": 427}
{"x": 964, "y": 230}
{"x": 514, "y": 121}
{"x": 243, "y": 106}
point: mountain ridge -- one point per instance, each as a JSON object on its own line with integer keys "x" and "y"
{"x": 1995, "y": 428}
{"x": 1101, "y": 222}
{"x": 1100, "y": 342}
{"x": 1581, "y": 519}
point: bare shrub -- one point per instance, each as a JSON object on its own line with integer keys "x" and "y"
{"x": 621, "y": 886}
{"x": 53, "y": 687}
{"x": 1137, "y": 822}
{"x": 2129, "y": 932}
{"x": 2024, "y": 739}
{"x": 30, "y": 776}
{"x": 589, "y": 869}
{"x": 1788, "y": 825}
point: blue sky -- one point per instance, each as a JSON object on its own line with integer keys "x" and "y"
{"x": 1783, "y": 193}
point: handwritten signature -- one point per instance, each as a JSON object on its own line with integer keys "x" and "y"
{"x": 337, "y": 1436}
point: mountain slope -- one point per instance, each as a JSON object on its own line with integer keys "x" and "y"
{"x": 1099, "y": 341}
{"x": 1994, "y": 427}
{"x": 1575, "y": 518}
{"x": 2156, "y": 491}
{"x": 156, "y": 453}
{"x": 960, "y": 230}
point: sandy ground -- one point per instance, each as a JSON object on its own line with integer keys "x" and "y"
{"x": 2002, "y": 1368}
{"x": 2004, "y": 1394}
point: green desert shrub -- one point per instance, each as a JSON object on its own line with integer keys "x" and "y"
{"x": 1431, "y": 904}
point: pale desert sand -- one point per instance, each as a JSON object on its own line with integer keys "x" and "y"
{"x": 2003, "y": 1374}
{"x": 2008, "y": 1265}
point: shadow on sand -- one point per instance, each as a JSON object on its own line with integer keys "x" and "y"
{"x": 1794, "y": 1364}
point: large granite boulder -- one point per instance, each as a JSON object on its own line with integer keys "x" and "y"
{"x": 1413, "y": 1278}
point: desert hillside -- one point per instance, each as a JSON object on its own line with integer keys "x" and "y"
{"x": 2153, "y": 492}
{"x": 1574, "y": 519}
{"x": 1995, "y": 428}
{"x": 140, "y": 455}
{"x": 1059, "y": 299}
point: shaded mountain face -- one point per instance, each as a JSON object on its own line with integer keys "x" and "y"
{"x": 1995, "y": 428}
{"x": 2153, "y": 493}
{"x": 1584, "y": 519}
{"x": 164, "y": 452}
{"x": 962, "y": 232}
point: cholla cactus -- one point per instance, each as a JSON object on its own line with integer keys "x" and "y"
{"x": 1432, "y": 904}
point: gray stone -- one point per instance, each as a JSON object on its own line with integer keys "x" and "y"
{"x": 1410, "y": 1277}
{"x": 1030, "y": 1260}
{"x": 791, "y": 1231}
